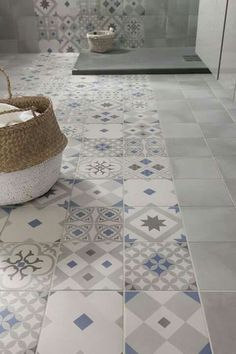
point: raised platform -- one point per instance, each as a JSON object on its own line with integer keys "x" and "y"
{"x": 140, "y": 61}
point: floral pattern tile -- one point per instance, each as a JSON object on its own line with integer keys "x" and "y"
{"x": 100, "y": 167}
{"x": 159, "y": 266}
{"x": 27, "y": 266}
{"x": 170, "y": 322}
{"x": 89, "y": 318}
{"x": 21, "y": 317}
{"x": 87, "y": 266}
{"x": 103, "y": 147}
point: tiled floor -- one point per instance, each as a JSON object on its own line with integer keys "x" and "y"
{"x": 133, "y": 250}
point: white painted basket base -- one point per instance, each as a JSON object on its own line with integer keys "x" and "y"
{"x": 22, "y": 186}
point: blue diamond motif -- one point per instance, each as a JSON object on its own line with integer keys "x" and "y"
{"x": 7, "y": 317}
{"x": 108, "y": 232}
{"x": 72, "y": 264}
{"x": 34, "y": 223}
{"x": 147, "y": 173}
{"x": 83, "y": 322}
{"x": 106, "y": 264}
{"x": 158, "y": 264}
{"x": 145, "y": 161}
{"x": 149, "y": 191}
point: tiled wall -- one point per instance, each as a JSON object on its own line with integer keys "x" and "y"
{"x": 18, "y": 26}
{"x": 63, "y": 24}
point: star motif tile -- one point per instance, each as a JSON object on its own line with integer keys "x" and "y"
{"x": 102, "y": 147}
{"x": 170, "y": 322}
{"x": 147, "y": 167}
{"x": 158, "y": 266}
{"x": 100, "y": 131}
{"x": 142, "y": 130}
{"x": 97, "y": 193}
{"x": 100, "y": 167}
{"x": 144, "y": 147}
{"x": 21, "y": 316}
{"x": 87, "y": 319}
{"x": 27, "y": 265}
{"x": 153, "y": 224}
{"x": 144, "y": 192}
{"x": 83, "y": 265}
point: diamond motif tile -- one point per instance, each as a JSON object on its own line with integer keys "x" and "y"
{"x": 111, "y": 7}
{"x": 100, "y": 131}
{"x": 107, "y": 193}
{"x": 103, "y": 147}
{"x": 95, "y": 215}
{"x": 158, "y": 266}
{"x": 88, "y": 317}
{"x": 142, "y": 130}
{"x": 21, "y": 316}
{"x": 26, "y": 265}
{"x": 145, "y": 192}
{"x": 90, "y": 270}
{"x": 170, "y": 322}
{"x": 144, "y": 147}
{"x": 97, "y": 232}
{"x": 134, "y": 7}
{"x": 141, "y": 117}
{"x": 153, "y": 223}
{"x": 100, "y": 167}
{"x": 146, "y": 167}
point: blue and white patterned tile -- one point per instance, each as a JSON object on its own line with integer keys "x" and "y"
{"x": 159, "y": 266}
{"x": 165, "y": 322}
{"x": 100, "y": 167}
{"x": 151, "y": 146}
{"x": 21, "y": 317}
{"x": 142, "y": 130}
{"x": 93, "y": 215}
{"x": 93, "y": 232}
{"x": 102, "y": 147}
{"x": 86, "y": 266}
{"x": 27, "y": 265}
{"x": 148, "y": 167}
{"x": 89, "y": 317}
{"x": 100, "y": 131}
{"x": 153, "y": 224}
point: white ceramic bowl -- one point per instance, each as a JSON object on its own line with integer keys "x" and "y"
{"x": 21, "y": 186}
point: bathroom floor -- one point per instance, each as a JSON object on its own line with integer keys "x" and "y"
{"x": 133, "y": 251}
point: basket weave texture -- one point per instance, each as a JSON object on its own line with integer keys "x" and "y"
{"x": 100, "y": 42}
{"x": 32, "y": 142}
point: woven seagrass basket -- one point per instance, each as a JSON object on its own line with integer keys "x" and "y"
{"x": 101, "y": 41}
{"x": 27, "y": 147}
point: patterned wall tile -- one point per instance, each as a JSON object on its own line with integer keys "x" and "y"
{"x": 134, "y": 7}
{"x": 45, "y": 7}
{"x": 111, "y": 7}
{"x": 133, "y": 32}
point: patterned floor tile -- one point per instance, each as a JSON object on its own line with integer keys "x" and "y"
{"x": 89, "y": 318}
{"x": 3, "y": 218}
{"x": 95, "y": 215}
{"x": 100, "y": 167}
{"x": 72, "y": 130}
{"x": 89, "y": 266}
{"x": 96, "y": 193}
{"x": 96, "y": 232}
{"x": 142, "y": 130}
{"x": 27, "y": 223}
{"x": 144, "y": 147}
{"x": 104, "y": 116}
{"x": 21, "y": 317}
{"x": 159, "y": 266}
{"x": 148, "y": 167}
{"x": 153, "y": 224}
{"x": 145, "y": 192}
{"x": 141, "y": 117}
{"x": 101, "y": 131}
{"x": 27, "y": 265}
{"x": 103, "y": 147}
{"x": 165, "y": 323}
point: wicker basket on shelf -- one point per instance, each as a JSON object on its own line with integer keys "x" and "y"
{"x": 101, "y": 41}
{"x": 30, "y": 152}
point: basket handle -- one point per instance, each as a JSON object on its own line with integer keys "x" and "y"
{"x": 32, "y": 109}
{"x": 8, "y": 81}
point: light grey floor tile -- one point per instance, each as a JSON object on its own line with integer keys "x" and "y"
{"x": 202, "y": 192}
{"x": 216, "y": 116}
{"x": 231, "y": 184}
{"x": 210, "y": 224}
{"x": 187, "y": 147}
{"x": 198, "y": 93}
{"x": 227, "y": 165}
{"x": 180, "y": 115}
{"x": 166, "y": 95}
{"x": 211, "y": 130}
{"x": 215, "y": 264}
{"x": 190, "y": 130}
{"x": 222, "y": 146}
{"x": 194, "y": 167}
{"x": 220, "y": 310}
{"x": 204, "y": 104}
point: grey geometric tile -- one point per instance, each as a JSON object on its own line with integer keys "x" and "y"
{"x": 95, "y": 215}
{"x": 83, "y": 265}
{"x": 144, "y": 147}
{"x": 222, "y": 146}
{"x": 187, "y": 147}
{"x": 159, "y": 192}
{"x": 161, "y": 323}
{"x": 104, "y": 116}
{"x": 181, "y": 130}
{"x": 97, "y": 193}
{"x": 93, "y": 232}
{"x": 219, "y": 130}
{"x": 194, "y": 167}
{"x": 100, "y": 167}
{"x": 142, "y": 130}
{"x": 134, "y": 7}
{"x": 87, "y": 316}
{"x": 153, "y": 224}
{"x": 133, "y": 32}
{"x": 153, "y": 167}
{"x": 227, "y": 166}
{"x": 21, "y": 319}
{"x": 100, "y": 131}
{"x": 158, "y": 266}
{"x": 103, "y": 147}
{"x": 141, "y": 117}
{"x": 231, "y": 185}
{"x": 27, "y": 265}
{"x": 220, "y": 116}
{"x": 111, "y": 7}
